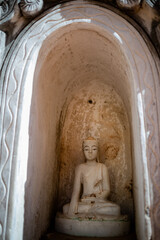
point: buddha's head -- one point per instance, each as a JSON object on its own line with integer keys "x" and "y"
{"x": 90, "y": 149}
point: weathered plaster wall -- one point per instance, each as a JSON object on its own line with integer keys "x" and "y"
{"x": 42, "y": 177}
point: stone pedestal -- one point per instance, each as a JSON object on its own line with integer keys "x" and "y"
{"x": 112, "y": 227}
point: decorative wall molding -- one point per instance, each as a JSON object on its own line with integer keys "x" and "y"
{"x": 31, "y": 8}
{"x": 6, "y": 6}
{"x": 128, "y": 4}
{"x": 16, "y": 14}
{"x": 3, "y": 8}
{"x": 153, "y": 3}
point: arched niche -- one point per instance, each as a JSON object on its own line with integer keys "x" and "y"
{"x": 52, "y": 60}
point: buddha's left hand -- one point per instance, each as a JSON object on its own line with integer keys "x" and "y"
{"x": 101, "y": 195}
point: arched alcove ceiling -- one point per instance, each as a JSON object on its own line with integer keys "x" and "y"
{"x": 141, "y": 84}
{"x": 81, "y": 54}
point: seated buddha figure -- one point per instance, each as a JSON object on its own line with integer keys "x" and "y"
{"x": 93, "y": 177}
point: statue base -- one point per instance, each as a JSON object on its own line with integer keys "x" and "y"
{"x": 87, "y": 227}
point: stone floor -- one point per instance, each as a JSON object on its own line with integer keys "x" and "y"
{"x": 59, "y": 236}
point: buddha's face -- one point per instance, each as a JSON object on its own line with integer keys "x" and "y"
{"x": 90, "y": 149}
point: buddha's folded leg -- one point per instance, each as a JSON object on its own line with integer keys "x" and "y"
{"x": 82, "y": 208}
{"x": 105, "y": 209}
{"x": 97, "y": 209}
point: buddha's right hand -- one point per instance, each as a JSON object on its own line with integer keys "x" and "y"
{"x": 72, "y": 210}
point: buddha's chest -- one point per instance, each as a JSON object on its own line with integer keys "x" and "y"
{"x": 91, "y": 179}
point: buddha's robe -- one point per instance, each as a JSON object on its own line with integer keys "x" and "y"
{"x": 93, "y": 179}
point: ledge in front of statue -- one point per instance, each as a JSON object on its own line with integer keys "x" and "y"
{"x": 90, "y": 226}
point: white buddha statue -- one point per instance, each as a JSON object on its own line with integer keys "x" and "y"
{"x": 93, "y": 177}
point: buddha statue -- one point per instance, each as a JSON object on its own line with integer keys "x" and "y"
{"x": 91, "y": 213}
{"x": 94, "y": 178}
